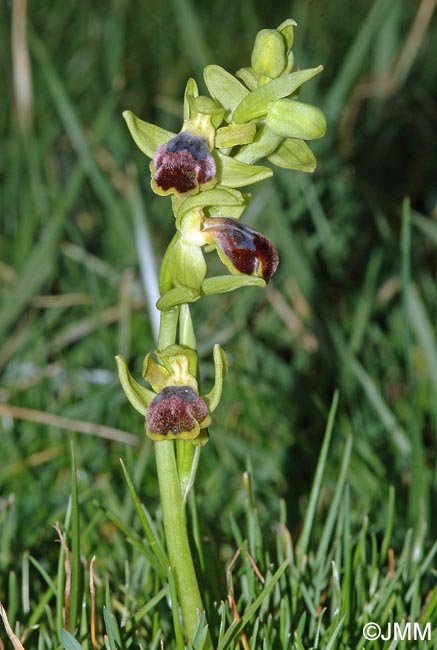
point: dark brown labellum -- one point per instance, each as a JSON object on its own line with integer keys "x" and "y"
{"x": 176, "y": 409}
{"x": 247, "y": 250}
{"x": 183, "y": 163}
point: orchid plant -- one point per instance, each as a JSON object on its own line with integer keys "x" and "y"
{"x": 248, "y": 116}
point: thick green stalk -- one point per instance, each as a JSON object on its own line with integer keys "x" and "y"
{"x": 173, "y": 511}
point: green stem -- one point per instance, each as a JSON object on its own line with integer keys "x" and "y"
{"x": 173, "y": 511}
{"x": 187, "y": 453}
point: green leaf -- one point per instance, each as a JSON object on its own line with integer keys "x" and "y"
{"x": 264, "y": 144}
{"x": 235, "y": 629}
{"x": 290, "y": 118}
{"x": 147, "y": 524}
{"x": 304, "y": 538}
{"x": 139, "y": 396}
{"x": 111, "y": 626}
{"x": 224, "y": 87}
{"x": 75, "y": 561}
{"x": 294, "y": 154}
{"x": 224, "y": 283}
{"x": 147, "y": 137}
{"x": 234, "y": 173}
{"x": 235, "y": 134}
{"x": 177, "y": 296}
{"x": 68, "y": 640}
{"x": 221, "y": 368}
{"x": 256, "y": 104}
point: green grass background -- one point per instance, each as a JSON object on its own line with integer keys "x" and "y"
{"x": 352, "y": 307}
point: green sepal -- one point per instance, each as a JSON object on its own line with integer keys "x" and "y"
{"x": 187, "y": 266}
{"x": 286, "y": 28}
{"x": 234, "y": 173}
{"x": 290, "y": 62}
{"x": 154, "y": 373}
{"x": 217, "y": 196}
{"x": 248, "y": 77}
{"x": 176, "y": 296}
{"x": 191, "y": 91}
{"x": 224, "y": 87}
{"x": 139, "y": 396}
{"x": 257, "y": 103}
{"x": 165, "y": 280}
{"x": 147, "y": 137}
{"x": 225, "y": 283}
{"x": 265, "y": 143}
{"x": 294, "y": 154}
{"x": 220, "y": 369}
{"x": 290, "y": 118}
{"x": 171, "y": 353}
{"x": 235, "y": 134}
{"x": 269, "y": 54}
{"x": 230, "y": 212}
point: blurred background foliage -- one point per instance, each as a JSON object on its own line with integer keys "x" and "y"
{"x": 352, "y": 306}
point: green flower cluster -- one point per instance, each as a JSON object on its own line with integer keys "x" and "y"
{"x": 252, "y": 115}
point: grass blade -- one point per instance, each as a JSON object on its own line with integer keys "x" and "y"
{"x": 302, "y": 545}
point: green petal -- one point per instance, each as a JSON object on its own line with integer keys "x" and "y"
{"x": 139, "y": 396}
{"x": 294, "y": 154}
{"x": 207, "y": 106}
{"x": 147, "y": 137}
{"x": 224, "y": 87}
{"x": 235, "y": 134}
{"x": 220, "y": 368}
{"x": 224, "y": 283}
{"x": 290, "y": 118}
{"x": 248, "y": 77}
{"x": 233, "y": 173}
{"x": 255, "y": 105}
{"x": 191, "y": 91}
{"x": 154, "y": 373}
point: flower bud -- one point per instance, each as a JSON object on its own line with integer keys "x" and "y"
{"x": 241, "y": 248}
{"x": 290, "y": 118}
{"x": 269, "y": 55}
{"x": 182, "y": 164}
